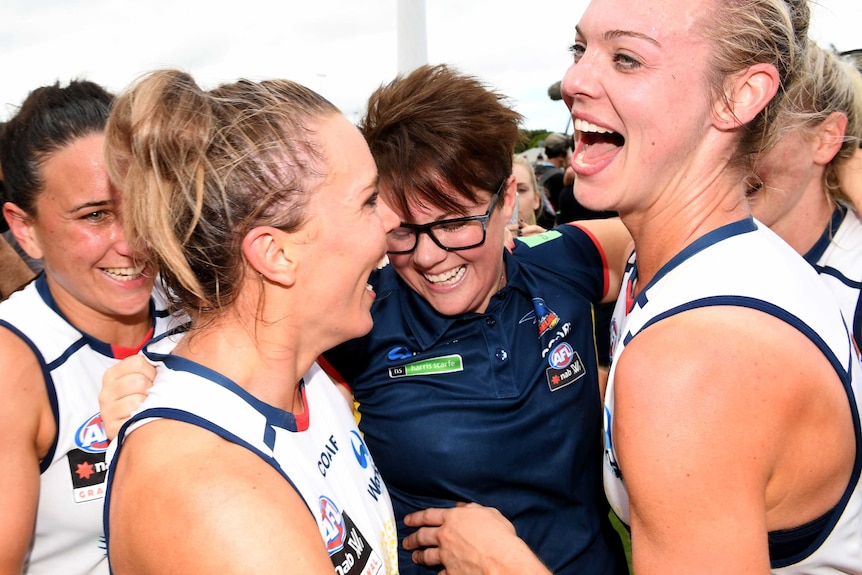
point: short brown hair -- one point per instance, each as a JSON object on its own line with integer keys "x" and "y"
{"x": 437, "y": 127}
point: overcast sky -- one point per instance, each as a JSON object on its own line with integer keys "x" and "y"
{"x": 343, "y": 49}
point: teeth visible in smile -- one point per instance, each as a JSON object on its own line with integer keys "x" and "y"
{"x": 124, "y": 274}
{"x": 384, "y": 261}
{"x": 449, "y": 277}
{"x": 584, "y": 126}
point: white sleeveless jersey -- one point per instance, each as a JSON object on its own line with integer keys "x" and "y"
{"x": 322, "y": 455}
{"x": 746, "y": 264}
{"x": 69, "y": 537}
{"x": 837, "y": 257}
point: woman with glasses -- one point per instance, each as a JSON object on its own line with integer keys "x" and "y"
{"x": 732, "y": 430}
{"x": 479, "y": 380}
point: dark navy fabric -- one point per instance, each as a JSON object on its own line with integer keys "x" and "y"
{"x": 501, "y": 408}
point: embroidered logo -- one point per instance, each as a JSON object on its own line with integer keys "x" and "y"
{"x": 91, "y": 436}
{"x": 562, "y": 356}
{"x": 573, "y": 370}
{"x": 546, "y": 317}
{"x": 399, "y": 352}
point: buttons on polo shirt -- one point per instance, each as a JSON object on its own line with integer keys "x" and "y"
{"x": 490, "y": 321}
{"x": 501, "y": 354}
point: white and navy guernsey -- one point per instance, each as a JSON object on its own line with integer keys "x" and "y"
{"x": 837, "y": 257}
{"x": 69, "y": 537}
{"x": 501, "y": 408}
{"x": 745, "y": 264}
{"x": 320, "y": 453}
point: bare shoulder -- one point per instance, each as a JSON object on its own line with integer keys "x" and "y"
{"x": 25, "y": 402}
{"x": 185, "y": 500}
{"x": 721, "y": 343}
{"x": 734, "y": 396}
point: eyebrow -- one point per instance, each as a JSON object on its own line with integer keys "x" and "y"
{"x": 612, "y": 34}
{"x": 89, "y": 205}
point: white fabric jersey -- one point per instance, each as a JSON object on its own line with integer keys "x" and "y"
{"x": 837, "y": 257}
{"x": 745, "y": 264}
{"x": 322, "y": 455}
{"x": 68, "y": 538}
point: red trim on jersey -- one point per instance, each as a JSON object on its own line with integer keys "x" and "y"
{"x": 605, "y": 269}
{"x": 121, "y": 352}
{"x": 302, "y": 419}
{"x": 333, "y": 373}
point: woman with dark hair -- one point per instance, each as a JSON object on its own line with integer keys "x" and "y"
{"x": 92, "y": 306}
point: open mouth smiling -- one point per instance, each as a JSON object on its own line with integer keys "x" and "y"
{"x": 594, "y": 144}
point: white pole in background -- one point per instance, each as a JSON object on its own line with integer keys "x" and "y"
{"x": 412, "y": 43}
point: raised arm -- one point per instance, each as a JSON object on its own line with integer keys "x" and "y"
{"x": 616, "y": 242}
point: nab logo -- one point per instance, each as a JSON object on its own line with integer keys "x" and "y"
{"x": 91, "y": 436}
{"x": 359, "y": 449}
{"x": 561, "y": 356}
{"x": 333, "y": 524}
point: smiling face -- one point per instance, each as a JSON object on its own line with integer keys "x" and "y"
{"x": 457, "y": 282}
{"x": 346, "y": 236}
{"x": 638, "y": 97}
{"x": 76, "y": 230}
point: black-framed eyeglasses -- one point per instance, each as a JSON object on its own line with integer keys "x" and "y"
{"x": 451, "y": 235}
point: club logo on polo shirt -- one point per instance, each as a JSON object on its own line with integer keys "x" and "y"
{"x": 545, "y": 317}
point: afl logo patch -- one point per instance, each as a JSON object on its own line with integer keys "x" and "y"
{"x": 561, "y": 356}
{"x": 332, "y": 523}
{"x": 91, "y": 436}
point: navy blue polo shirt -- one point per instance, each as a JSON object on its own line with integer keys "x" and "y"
{"x": 501, "y": 408}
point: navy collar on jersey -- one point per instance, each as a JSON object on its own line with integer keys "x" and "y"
{"x": 743, "y": 226}
{"x": 278, "y": 417}
{"x": 816, "y": 252}
{"x": 96, "y": 345}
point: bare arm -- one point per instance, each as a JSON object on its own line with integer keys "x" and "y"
{"x": 211, "y": 507}
{"x": 709, "y": 425}
{"x": 470, "y": 540}
{"x": 616, "y": 241}
{"x": 25, "y": 418}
